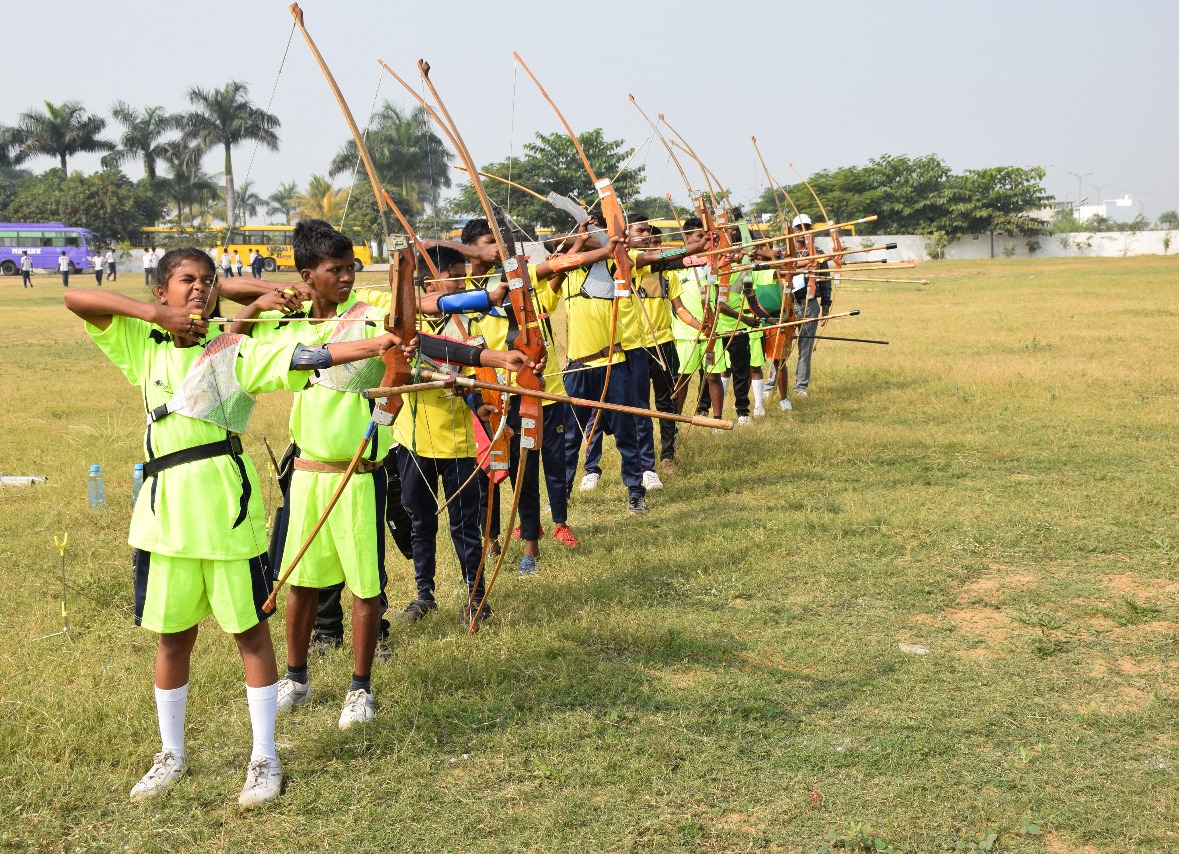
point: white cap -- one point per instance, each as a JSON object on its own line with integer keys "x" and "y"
{"x": 801, "y": 219}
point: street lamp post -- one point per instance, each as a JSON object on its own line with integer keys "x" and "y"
{"x": 1079, "y": 179}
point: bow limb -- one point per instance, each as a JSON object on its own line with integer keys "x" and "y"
{"x": 528, "y": 341}
{"x": 615, "y": 221}
{"x": 837, "y": 243}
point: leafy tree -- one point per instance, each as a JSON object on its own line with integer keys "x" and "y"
{"x": 106, "y": 202}
{"x": 994, "y": 201}
{"x": 408, "y": 156}
{"x": 320, "y": 201}
{"x": 61, "y": 131}
{"x": 224, "y": 118}
{"x": 1169, "y": 219}
{"x": 279, "y": 202}
{"x": 142, "y": 138}
{"x": 551, "y": 163}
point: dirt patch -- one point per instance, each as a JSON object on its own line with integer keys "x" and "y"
{"x": 1136, "y": 587}
{"x": 686, "y": 677}
{"x": 986, "y": 624}
{"x": 993, "y": 588}
{"x": 1062, "y": 843}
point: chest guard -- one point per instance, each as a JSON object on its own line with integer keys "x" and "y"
{"x": 353, "y": 377}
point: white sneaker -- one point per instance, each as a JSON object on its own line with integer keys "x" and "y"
{"x": 166, "y": 769}
{"x": 744, "y": 419}
{"x": 590, "y": 481}
{"x": 292, "y": 694}
{"x": 359, "y": 707}
{"x": 651, "y": 480}
{"x": 263, "y": 783}
{"x": 784, "y": 405}
{"x": 800, "y": 392}
{"x": 759, "y": 412}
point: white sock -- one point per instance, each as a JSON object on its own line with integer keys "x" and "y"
{"x": 725, "y": 385}
{"x": 263, "y": 709}
{"x": 171, "y": 704}
{"x": 759, "y": 393}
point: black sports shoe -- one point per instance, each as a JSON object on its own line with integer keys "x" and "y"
{"x": 636, "y": 504}
{"x": 417, "y": 609}
{"x": 484, "y": 615}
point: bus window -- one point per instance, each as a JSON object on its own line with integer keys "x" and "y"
{"x": 258, "y": 238}
{"x": 9, "y": 238}
{"x": 71, "y": 238}
{"x": 29, "y": 238}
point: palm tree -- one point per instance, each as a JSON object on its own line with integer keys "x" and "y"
{"x": 248, "y": 203}
{"x": 320, "y": 201}
{"x": 409, "y": 157}
{"x": 10, "y": 153}
{"x": 225, "y": 117}
{"x": 279, "y": 202}
{"x": 188, "y": 186}
{"x": 62, "y": 131}
{"x": 143, "y": 133}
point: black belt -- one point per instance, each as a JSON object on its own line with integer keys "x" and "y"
{"x": 601, "y": 354}
{"x": 226, "y": 447}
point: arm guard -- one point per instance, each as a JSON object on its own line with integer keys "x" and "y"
{"x": 464, "y": 302}
{"x": 310, "y": 358}
{"x": 448, "y": 350}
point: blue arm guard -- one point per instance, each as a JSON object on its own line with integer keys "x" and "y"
{"x": 310, "y": 358}
{"x": 465, "y": 302}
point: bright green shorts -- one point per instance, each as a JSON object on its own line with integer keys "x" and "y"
{"x": 691, "y": 354}
{"x": 173, "y": 594}
{"x": 348, "y": 546}
{"x": 757, "y": 356}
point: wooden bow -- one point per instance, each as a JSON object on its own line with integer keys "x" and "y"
{"x": 615, "y": 221}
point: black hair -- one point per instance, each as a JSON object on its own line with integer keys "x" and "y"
{"x": 443, "y": 257}
{"x": 315, "y": 240}
{"x": 656, "y": 231}
{"x": 692, "y": 223}
{"x": 173, "y": 258}
{"x": 474, "y": 229}
{"x": 636, "y": 219}
{"x": 736, "y": 213}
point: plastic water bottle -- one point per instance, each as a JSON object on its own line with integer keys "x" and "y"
{"x": 97, "y": 499}
{"x": 136, "y": 483}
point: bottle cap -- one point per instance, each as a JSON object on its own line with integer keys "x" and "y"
{"x": 94, "y": 469}
{"x": 139, "y": 466}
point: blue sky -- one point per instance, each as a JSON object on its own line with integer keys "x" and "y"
{"x": 1076, "y": 87}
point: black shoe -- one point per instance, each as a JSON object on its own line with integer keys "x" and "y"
{"x": 484, "y": 615}
{"x": 636, "y": 504}
{"x": 323, "y": 644}
{"x": 417, "y": 609}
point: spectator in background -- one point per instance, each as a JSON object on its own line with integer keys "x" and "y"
{"x": 99, "y": 265}
{"x": 149, "y": 265}
{"x": 257, "y": 265}
{"x": 111, "y": 273}
{"x": 226, "y": 264}
{"x": 26, "y": 270}
{"x": 237, "y": 262}
{"x": 63, "y": 265}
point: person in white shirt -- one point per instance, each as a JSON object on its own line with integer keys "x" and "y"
{"x": 110, "y": 266}
{"x": 237, "y": 262}
{"x": 26, "y": 270}
{"x": 63, "y": 265}
{"x": 149, "y": 265}
{"x": 99, "y": 266}
{"x": 226, "y": 264}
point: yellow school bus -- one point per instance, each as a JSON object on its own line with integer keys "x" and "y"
{"x": 272, "y": 241}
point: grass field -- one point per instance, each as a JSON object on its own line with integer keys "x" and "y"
{"x": 738, "y": 670}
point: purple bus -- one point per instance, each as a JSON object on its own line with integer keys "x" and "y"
{"x": 45, "y": 242}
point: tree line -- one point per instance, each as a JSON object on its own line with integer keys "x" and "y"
{"x": 910, "y": 195}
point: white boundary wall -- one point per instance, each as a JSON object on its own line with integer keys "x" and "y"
{"x": 1111, "y": 244}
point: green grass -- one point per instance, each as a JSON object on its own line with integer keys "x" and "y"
{"x": 998, "y": 486}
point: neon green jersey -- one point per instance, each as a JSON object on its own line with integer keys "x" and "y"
{"x": 209, "y": 509}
